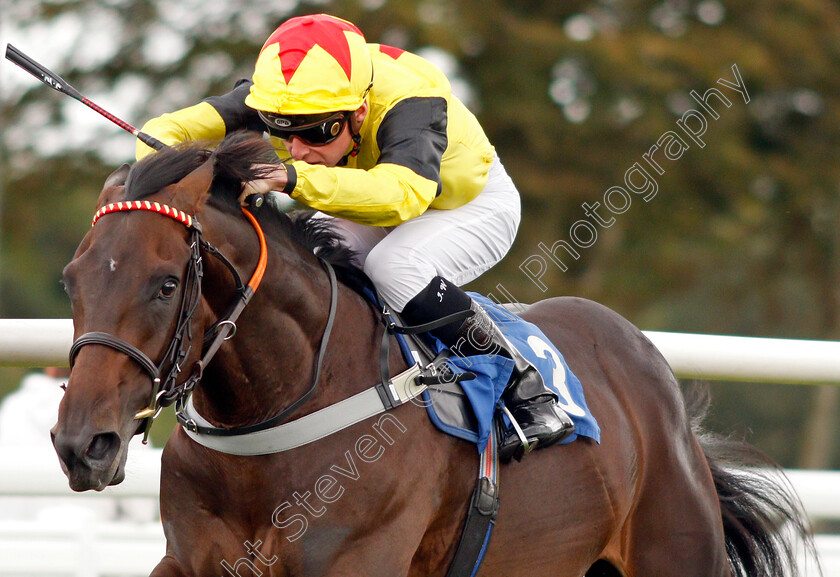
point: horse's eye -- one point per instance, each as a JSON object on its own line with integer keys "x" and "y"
{"x": 168, "y": 289}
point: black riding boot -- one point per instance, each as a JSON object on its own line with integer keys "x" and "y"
{"x": 532, "y": 405}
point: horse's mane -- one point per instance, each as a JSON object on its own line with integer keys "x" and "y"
{"x": 239, "y": 158}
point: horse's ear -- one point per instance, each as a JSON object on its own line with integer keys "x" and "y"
{"x": 118, "y": 177}
{"x": 191, "y": 191}
{"x": 113, "y": 185}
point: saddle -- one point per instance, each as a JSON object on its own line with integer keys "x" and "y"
{"x": 463, "y": 394}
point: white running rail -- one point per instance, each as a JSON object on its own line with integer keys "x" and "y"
{"x": 46, "y": 342}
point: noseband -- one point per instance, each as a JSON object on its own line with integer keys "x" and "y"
{"x": 164, "y": 389}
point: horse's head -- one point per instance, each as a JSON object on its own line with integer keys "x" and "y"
{"x": 137, "y": 309}
{"x": 126, "y": 280}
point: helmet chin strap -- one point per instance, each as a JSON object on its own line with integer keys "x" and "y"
{"x": 357, "y": 141}
{"x": 357, "y": 136}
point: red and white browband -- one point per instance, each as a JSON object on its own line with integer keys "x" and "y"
{"x": 166, "y": 210}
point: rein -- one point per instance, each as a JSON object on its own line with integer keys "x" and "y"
{"x": 164, "y": 389}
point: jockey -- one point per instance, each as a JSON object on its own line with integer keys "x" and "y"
{"x": 377, "y": 141}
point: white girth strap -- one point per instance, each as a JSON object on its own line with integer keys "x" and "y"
{"x": 314, "y": 426}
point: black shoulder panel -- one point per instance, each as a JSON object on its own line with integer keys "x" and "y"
{"x": 233, "y": 110}
{"x": 413, "y": 134}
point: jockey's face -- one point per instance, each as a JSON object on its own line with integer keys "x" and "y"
{"x": 328, "y": 154}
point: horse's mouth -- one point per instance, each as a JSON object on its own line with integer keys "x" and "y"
{"x": 119, "y": 476}
{"x": 84, "y": 478}
{"x": 95, "y": 475}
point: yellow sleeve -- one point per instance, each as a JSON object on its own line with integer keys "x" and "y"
{"x": 385, "y": 195}
{"x": 199, "y": 122}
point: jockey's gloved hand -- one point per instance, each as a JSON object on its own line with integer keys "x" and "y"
{"x": 274, "y": 177}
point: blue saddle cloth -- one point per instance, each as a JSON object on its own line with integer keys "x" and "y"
{"x": 493, "y": 372}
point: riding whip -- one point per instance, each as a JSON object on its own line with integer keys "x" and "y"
{"x": 56, "y": 82}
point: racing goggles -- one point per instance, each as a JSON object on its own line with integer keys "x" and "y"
{"x": 313, "y": 129}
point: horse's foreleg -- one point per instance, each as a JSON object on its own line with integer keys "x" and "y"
{"x": 168, "y": 567}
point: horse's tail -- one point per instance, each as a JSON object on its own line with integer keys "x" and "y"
{"x": 763, "y": 519}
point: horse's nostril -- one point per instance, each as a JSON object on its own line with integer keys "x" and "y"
{"x": 102, "y": 446}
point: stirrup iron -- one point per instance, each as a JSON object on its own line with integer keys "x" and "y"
{"x": 526, "y": 446}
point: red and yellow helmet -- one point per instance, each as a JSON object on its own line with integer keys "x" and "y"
{"x": 312, "y": 65}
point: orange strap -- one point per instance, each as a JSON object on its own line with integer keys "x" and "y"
{"x": 256, "y": 278}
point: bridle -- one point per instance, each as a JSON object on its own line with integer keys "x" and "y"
{"x": 165, "y": 389}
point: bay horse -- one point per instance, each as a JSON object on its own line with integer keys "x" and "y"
{"x": 656, "y": 498}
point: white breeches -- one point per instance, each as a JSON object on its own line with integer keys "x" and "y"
{"x": 458, "y": 244}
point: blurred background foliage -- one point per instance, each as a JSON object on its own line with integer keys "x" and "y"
{"x": 741, "y": 237}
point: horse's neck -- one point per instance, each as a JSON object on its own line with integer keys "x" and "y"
{"x": 271, "y": 361}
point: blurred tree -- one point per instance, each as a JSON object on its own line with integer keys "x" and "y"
{"x": 740, "y": 238}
